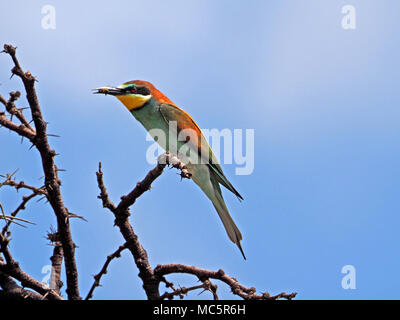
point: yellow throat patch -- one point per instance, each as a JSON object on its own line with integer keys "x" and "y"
{"x": 134, "y": 101}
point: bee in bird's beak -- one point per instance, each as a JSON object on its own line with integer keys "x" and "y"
{"x": 110, "y": 90}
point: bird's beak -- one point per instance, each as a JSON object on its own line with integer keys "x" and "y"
{"x": 109, "y": 90}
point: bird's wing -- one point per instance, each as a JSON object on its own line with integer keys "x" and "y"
{"x": 185, "y": 121}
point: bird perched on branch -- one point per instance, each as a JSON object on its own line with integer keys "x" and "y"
{"x": 175, "y": 130}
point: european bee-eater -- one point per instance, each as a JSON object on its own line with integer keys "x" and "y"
{"x": 156, "y": 112}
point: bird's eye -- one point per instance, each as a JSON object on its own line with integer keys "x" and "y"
{"x": 132, "y": 89}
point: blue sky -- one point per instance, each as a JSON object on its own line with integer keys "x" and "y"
{"x": 323, "y": 102}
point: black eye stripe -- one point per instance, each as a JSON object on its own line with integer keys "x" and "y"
{"x": 143, "y": 91}
{"x": 138, "y": 90}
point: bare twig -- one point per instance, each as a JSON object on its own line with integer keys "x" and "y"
{"x": 203, "y": 275}
{"x": 207, "y": 285}
{"x": 11, "y": 219}
{"x": 13, "y": 215}
{"x": 22, "y": 185}
{"x": 103, "y": 270}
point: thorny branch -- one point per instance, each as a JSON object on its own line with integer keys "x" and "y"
{"x": 22, "y": 185}
{"x": 103, "y": 270}
{"x": 121, "y": 213}
{"x": 25, "y": 199}
{"x": 205, "y": 275}
{"x": 207, "y": 285}
{"x": 37, "y": 134}
{"x": 12, "y": 218}
{"x": 153, "y": 277}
